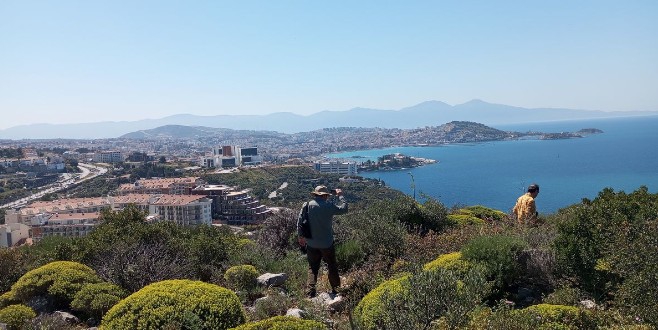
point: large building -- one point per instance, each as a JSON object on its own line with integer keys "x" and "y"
{"x": 231, "y": 156}
{"x": 182, "y": 209}
{"x": 75, "y": 224}
{"x": 108, "y": 157}
{"x": 170, "y": 186}
{"x": 234, "y": 207}
{"x": 34, "y": 213}
{"x": 13, "y": 234}
{"x": 339, "y": 167}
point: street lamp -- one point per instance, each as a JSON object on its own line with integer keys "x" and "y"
{"x": 413, "y": 184}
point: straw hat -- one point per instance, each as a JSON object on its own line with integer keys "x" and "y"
{"x": 321, "y": 191}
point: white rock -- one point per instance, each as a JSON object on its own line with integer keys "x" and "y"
{"x": 269, "y": 279}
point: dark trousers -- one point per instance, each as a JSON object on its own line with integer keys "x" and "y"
{"x": 315, "y": 257}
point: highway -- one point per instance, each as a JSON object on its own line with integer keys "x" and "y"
{"x": 87, "y": 172}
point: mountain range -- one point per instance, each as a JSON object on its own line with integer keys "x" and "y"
{"x": 429, "y": 113}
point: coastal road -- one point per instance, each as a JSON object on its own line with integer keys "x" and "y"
{"x": 87, "y": 172}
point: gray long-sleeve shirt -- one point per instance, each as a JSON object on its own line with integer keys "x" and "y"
{"x": 320, "y": 214}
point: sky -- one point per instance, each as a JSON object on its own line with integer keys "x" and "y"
{"x": 87, "y": 61}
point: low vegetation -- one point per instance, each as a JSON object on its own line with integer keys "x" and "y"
{"x": 406, "y": 265}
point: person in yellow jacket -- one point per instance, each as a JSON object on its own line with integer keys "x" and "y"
{"x": 525, "y": 209}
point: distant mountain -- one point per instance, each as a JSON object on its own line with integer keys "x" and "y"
{"x": 424, "y": 114}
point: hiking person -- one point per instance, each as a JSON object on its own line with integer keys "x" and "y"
{"x": 525, "y": 209}
{"x": 320, "y": 245}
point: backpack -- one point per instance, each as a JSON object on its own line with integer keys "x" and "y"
{"x": 304, "y": 226}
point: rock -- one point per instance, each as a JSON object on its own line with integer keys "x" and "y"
{"x": 3, "y": 326}
{"x": 269, "y": 279}
{"x": 68, "y": 317}
{"x": 296, "y": 312}
{"x": 588, "y": 304}
{"x": 333, "y": 302}
{"x": 261, "y": 300}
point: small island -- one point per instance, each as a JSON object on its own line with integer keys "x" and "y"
{"x": 395, "y": 161}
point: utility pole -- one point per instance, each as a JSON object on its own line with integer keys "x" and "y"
{"x": 413, "y": 184}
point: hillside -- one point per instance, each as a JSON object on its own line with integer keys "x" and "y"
{"x": 420, "y": 115}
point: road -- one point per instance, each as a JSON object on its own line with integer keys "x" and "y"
{"x": 87, "y": 172}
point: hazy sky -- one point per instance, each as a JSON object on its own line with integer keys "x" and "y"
{"x": 85, "y": 61}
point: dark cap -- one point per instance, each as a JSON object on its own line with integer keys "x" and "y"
{"x": 533, "y": 187}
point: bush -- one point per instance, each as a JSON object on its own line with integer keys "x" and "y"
{"x": 498, "y": 254}
{"x": 282, "y": 323}
{"x": 607, "y": 247}
{"x": 417, "y": 301}
{"x": 349, "y": 254}
{"x": 7, "y": 298}
{"x": 16, "y": 315}
{"x": 97, "y": 298}
{"x": 184, "y": 303}
{"x": 564, "y": 296}
{"x": 275, "y": 303}
{"x": 451, "y": 261}
{"x": 371, "y": 312}
{"x": 485, "y": 213}
{"x": 58, "y": 281}
{"x": 241, "y": 278}
{"x": 542, "y": 317}
{"x": 465, "y": 219}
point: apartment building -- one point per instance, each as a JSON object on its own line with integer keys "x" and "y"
{"x": 75, "y": 224}
{"x": 13, "y": 234}
{"x": 33, "y": 213}
{"x": 107, "y": 157}
{"x": 240, "y": 208}
{"x": 339, "y": 167}
{"x": 182, "y": 209}
{"x": 168, "y": 186}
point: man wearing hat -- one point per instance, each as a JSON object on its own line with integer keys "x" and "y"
{"x": 525, "y": 209}
{"x": 320, "y": 212}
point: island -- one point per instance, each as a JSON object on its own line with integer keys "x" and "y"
{"x": 395, "y": 161}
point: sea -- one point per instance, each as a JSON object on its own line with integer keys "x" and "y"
{"x": 494, "y": 174}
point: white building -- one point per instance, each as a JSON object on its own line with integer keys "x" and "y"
{"x": 345, "y": 168}
{"x": 108, "y": 157}
{"x": 231, "y": 156}
{"x": 13, "y": 233}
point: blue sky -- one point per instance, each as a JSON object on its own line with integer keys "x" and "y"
{"x": 86, "y": 61}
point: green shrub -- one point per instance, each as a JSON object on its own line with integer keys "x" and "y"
{"x": 283, "y": 323}
{"x": 498, "y": 254}
{"x": 609, "y": 242}
{"x": 371, "y": 312}
{"x": 241, "y": 278}
{"x": 16, "y": 315}
{"x": 417, "y": 301}
{"x": 273, "y": 304}
{"x": 564, "y": 296}
{"x": 97, "y": 298}
{"x": 349, "y": 254}
{"x": 485, "y": 213}
{"x": 543, "y": 317}
{"x": 184, "y": 303}
{"x": 465, "y": 219}
{"x": 59, "y": 280}
{"x": 451, "y": 261}
{"x": 7, "y": 298}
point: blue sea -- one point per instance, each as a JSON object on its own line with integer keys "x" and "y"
{"x": 494, "y": 174}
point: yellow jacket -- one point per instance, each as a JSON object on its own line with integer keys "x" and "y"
{"x": 525, "y": 209}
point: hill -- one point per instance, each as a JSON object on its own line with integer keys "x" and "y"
{"x": 418, "y": 115}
